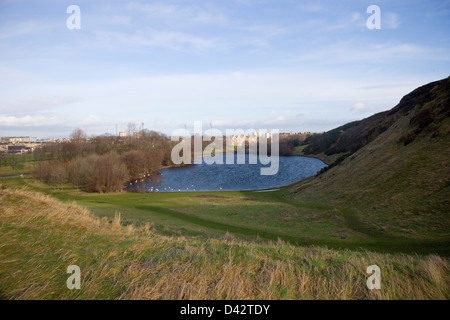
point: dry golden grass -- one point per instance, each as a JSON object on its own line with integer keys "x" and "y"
{"x": 41, "y": 236}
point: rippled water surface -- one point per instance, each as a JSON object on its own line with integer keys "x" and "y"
{"x": 215, "y": 177}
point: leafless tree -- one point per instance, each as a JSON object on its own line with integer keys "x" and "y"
{"x": 78, "y": 135}
{"x": 131, "y": 128}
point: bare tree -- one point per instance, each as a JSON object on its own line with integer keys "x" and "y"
{"x": 78, "y": 135}
{"x": 131, "y": 128}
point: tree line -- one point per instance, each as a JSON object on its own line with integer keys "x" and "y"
{"x": 103, "y": 163}
{"x": 106, "y": 163}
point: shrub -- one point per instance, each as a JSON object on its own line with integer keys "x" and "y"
{"x": 105, "y": 173}
{"x": 58, "y": 175}
{"x": 52, "y": 172}
{"x": 139, "y": 162}
{"x": 43, "y": 171}
{"x": 81, "y": 170}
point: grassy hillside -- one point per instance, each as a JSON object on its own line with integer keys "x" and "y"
{"x": 40, "y": 236}
{"x": 397, "y": 185}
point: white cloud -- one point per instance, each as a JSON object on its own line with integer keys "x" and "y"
{"x": 311, "y": 8}
{"x": 386, "y": 52}
{"x": 390, "y": 21}
{"x": 48, "y": 121}
{"x": 23, "y": 28}
{"x": 361, "y": 108}
{"x": 266, "y": 30}
{"x": 297, "y": 123}
{"x": 176, "y": 14}
{"x": 54, "y": 126}
{"x": 30, "y": 121}
{"x": 154, "y": 38}
{"x": 35, "y": 104}
{"x": 93, "y": 21}
{"x": 356, "y": 16}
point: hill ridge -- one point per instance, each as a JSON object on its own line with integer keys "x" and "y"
{"x": 399, "y": 182}
{"x": 352, "y": 136}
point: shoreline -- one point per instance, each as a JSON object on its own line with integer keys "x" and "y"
{"x": 318, "y": 157}
{"x": 127, "y": 188}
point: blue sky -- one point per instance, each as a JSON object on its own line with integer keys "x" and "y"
{"x": 285, "y": 64}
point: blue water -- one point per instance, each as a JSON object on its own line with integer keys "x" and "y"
{"x": 230, "y": 177}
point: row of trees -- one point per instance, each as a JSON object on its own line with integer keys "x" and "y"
{"x": 80, "y": 145}
{"x": 102, "y": 164}
{"x": 94, "y": 173}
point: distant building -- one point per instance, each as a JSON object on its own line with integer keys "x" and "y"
{"x": 122, "y": 134}
{"x": 18, "y": 139}
{"x": 3, "y": 147}
{"x": 18, "y": 149}
{"x": 239, "y": 140}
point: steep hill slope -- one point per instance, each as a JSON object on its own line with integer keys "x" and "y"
{"x": 395, "y": 181}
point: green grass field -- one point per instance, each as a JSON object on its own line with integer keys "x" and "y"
{"x": 256, "y": 216}
{"x": 28, "y": 167}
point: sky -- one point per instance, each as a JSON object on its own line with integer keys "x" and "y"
{"x": 291, "y": 65}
